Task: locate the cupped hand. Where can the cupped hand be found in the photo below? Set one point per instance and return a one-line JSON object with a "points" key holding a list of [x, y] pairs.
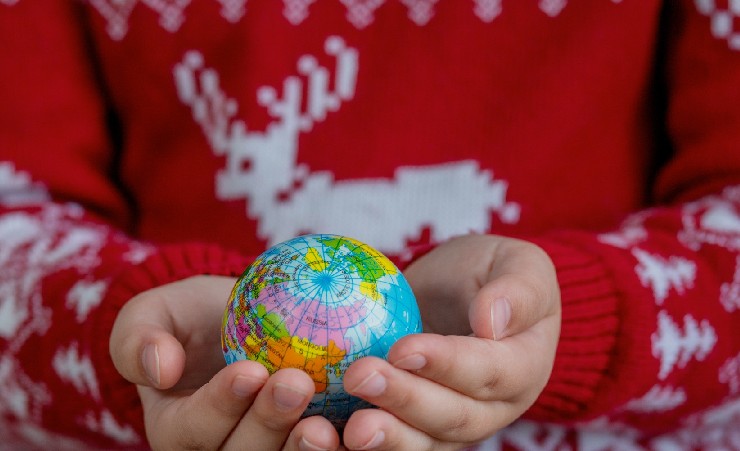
{"points": [[491, 310], [167, 341]]}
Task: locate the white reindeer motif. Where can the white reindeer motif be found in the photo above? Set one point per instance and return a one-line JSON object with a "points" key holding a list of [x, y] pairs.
{"points": [[449, 199]]}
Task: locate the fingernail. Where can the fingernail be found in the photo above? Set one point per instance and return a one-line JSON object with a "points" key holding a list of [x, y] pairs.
{"points": [[305, 445], [287, 397], [243, 386], [500, 316], [373, 385], [374, 442], [411, 362], [150, 361]]}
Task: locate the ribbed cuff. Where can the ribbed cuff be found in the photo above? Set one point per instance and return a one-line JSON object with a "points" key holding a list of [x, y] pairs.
{"points": [[602, 334], [167, 264]]}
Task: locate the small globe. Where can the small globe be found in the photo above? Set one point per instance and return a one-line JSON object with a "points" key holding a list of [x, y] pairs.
{"points": [[318, 303]]}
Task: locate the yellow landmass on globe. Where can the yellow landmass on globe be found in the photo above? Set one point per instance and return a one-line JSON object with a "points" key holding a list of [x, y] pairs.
{"points": [[370, 289], [314, 260]]}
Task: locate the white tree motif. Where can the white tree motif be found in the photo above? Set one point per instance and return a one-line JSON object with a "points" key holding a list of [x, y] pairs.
{"points": [[660, 274], [729, 373], [76, 369], [714, 429], [630, 233], [105, 424], [84, 296], [29, 436], [657, 399], [20, 397], [526, 435], [603, 434], [674, 346], [17, 188], [729, 292]]}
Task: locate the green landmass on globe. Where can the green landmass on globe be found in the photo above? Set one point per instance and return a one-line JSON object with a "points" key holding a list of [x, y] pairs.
{"points": [[318, 303]]}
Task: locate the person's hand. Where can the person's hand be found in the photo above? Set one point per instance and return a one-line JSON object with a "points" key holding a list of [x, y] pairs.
{"points": [[493, 307], [167, 340]]}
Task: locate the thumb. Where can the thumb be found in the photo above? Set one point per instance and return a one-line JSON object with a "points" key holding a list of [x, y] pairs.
{"points": [[143, 347], [521, 290]]}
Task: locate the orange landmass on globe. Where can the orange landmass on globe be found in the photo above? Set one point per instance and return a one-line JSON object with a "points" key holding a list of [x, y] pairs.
{"points": [[296, 352]]}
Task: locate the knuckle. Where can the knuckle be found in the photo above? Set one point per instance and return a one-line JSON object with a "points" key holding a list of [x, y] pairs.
{"points": [[186, 439], [467, 427], [273, 421], [490, 383], [224, 408], [442, 368], [191, 444], [398, 399], [459, 423]]}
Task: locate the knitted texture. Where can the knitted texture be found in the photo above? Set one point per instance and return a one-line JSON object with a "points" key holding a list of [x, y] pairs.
{"points": [[143, 142]]}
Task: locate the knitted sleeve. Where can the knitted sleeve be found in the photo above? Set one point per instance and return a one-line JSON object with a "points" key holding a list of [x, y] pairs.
{"points": [[66, 263], [651, 309]]}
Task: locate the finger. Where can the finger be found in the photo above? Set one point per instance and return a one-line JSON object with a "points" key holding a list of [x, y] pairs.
{"points": [[479, 368], [205, 418], [416, 401], [313, 434], [145, 342], [456, 362], [143, 348], [274, 413], [379, 430], [522, 289]]}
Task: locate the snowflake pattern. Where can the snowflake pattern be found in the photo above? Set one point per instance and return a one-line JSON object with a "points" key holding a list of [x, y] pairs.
{"points": [[296, 11], [16, 187], [360, 13], [724, 20], [34, 244], [713, 220]]}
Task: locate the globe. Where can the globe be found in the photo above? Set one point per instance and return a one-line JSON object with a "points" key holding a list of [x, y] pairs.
{"points": [[318, 303]]}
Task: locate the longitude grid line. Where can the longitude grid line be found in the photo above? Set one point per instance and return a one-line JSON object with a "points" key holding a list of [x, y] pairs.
{"points": [[330, 269], [309, 301], [297, 251]]}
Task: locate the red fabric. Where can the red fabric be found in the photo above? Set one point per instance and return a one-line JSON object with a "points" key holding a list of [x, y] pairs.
{"points": [[143, 142]]}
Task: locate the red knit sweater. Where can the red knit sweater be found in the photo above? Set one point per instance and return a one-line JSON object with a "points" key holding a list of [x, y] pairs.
{"points": [[143, 141]]}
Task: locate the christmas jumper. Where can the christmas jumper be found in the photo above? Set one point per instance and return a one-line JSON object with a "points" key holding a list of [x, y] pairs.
{"points": [[145, 141]]}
